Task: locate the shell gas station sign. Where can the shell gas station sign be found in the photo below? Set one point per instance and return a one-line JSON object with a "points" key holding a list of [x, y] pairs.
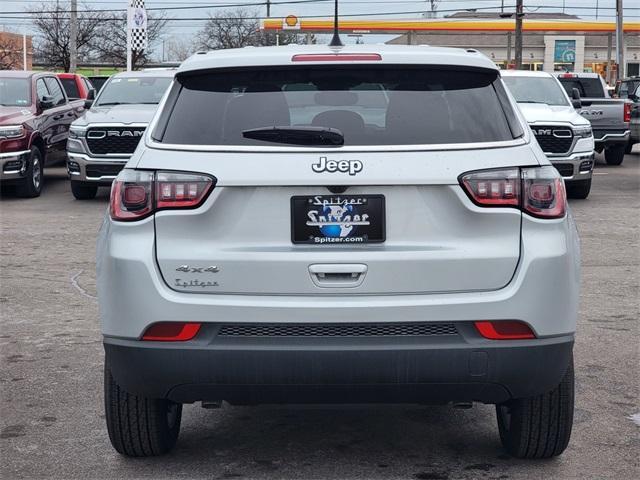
{"points": [[291, 22]]}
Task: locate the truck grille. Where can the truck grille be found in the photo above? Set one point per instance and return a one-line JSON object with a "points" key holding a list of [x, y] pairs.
{"points": [[554, 139], [104, 170], [338, 330], [104, 140], [564, 169]]}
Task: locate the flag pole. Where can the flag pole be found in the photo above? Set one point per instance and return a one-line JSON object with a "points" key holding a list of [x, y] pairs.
{"points": [[129, 36]]}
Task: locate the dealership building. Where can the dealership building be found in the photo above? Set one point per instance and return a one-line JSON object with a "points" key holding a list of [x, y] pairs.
{"points": [[551, 42]]}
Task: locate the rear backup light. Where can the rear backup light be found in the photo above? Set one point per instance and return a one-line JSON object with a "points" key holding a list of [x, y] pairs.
{"points": [[136, 194], [181, 190], [336, 57], [504, 330], [499, 188], [627, 112], [171, 332], [538, 191]]}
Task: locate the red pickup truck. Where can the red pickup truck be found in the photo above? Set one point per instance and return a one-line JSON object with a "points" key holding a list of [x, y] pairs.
{"points": [[75, 86], [35, 115]]}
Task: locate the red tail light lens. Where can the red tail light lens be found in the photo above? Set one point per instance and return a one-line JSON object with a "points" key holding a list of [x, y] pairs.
{"points": [[505, 330], [544, 194], [171, 332], [132, 195], [627, 112], [538, 191], [136, 194]]}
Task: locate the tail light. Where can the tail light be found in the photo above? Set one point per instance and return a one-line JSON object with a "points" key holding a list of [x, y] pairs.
{"points": [[504, 330], [171, 332], [136, 194], [538, 191], [627, 112]]}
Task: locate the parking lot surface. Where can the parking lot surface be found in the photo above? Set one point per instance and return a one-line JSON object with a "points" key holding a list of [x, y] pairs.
{"points": [[52, 417]]}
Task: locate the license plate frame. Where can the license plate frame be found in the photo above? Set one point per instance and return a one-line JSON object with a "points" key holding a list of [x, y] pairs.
{"points": [[344, 219]]}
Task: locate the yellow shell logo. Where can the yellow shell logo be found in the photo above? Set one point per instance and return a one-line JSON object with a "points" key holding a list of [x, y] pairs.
{"points": [[291, 21]]}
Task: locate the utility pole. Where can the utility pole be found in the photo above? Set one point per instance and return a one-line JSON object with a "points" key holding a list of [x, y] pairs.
{"points": [[73, 37], [620, 72], [24, 51], [518, 42]]}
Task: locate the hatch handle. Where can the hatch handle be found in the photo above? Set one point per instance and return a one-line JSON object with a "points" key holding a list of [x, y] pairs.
{"points": [[337, 275]]}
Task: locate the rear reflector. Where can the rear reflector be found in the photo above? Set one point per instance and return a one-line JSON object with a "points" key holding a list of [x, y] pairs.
{"points": [[171, 332], [337, 57], [504, 330]]}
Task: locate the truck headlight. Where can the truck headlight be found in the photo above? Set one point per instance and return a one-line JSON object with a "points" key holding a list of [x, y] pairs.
{"points": [[11, 131], [583, 132], [75, 132]]}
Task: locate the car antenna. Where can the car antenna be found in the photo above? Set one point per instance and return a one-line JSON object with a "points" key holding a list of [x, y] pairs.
{"points": [[335, 40]]}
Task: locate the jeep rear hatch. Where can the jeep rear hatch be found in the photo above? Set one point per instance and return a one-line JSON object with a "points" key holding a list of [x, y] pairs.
{"points": [[383, 214]]}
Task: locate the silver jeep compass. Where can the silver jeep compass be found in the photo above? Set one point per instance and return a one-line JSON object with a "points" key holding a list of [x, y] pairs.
{"points": [[355, 224]]}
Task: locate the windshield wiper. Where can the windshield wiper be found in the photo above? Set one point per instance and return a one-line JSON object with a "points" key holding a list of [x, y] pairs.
{"points": [[531, 101], [297, 135]]}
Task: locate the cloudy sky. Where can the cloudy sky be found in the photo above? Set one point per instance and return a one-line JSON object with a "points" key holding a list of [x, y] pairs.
{"points": [[186, 21]]}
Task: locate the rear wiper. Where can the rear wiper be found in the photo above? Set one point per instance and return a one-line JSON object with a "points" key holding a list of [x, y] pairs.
{"points": [[297, 135]]}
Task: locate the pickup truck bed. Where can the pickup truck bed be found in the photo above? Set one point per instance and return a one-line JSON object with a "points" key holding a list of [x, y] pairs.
{"points": [[609, 117]]}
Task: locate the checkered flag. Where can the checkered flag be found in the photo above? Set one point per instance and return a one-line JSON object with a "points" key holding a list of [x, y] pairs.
{"points": [[137, 23]]}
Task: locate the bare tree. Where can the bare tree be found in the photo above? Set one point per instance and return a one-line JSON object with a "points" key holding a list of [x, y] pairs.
{"points": [[179, 49], [236, 29], [10, 52], [53, 27], [111, 43]]}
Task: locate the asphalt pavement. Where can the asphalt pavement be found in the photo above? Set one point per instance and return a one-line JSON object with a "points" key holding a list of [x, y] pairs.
{"points": [[52, 416]]}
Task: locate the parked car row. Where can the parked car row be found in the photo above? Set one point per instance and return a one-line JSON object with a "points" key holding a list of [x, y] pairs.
{"points": [[37, 110], [569, 124]]}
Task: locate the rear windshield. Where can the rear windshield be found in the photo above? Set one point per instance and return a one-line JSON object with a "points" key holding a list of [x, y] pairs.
{"points": [[70, 87], [536, 90], [120, 91], [393, 105], [588, 87], [15, 92]]}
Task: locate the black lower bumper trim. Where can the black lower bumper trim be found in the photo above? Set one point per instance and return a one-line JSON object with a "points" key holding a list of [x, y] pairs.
{"points": [[363, 370]]}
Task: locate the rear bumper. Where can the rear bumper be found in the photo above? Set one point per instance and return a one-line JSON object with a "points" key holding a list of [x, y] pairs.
{"points": [[394, 369], [606, 138]]}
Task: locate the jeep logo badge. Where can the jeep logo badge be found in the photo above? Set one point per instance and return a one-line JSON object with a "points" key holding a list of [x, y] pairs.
{"points": [[344, 166]]}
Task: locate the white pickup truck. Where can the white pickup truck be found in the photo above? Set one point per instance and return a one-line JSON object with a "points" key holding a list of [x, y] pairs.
{"points": [[565, 136], [609, 117]]}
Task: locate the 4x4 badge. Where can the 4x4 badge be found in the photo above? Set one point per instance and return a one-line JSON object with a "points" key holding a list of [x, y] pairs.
{"points": [[344, 166], [187, 269]]}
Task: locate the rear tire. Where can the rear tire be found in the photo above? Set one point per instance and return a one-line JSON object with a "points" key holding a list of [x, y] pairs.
{"points": [[139, 426], [629, 147], [540, 426], [579, 189], [31, 185], [82, 191], [614, 155]]}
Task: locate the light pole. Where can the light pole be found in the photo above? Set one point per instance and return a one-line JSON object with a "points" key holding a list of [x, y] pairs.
{"points": [[619, 40], [73, 36], [518, 42]]}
